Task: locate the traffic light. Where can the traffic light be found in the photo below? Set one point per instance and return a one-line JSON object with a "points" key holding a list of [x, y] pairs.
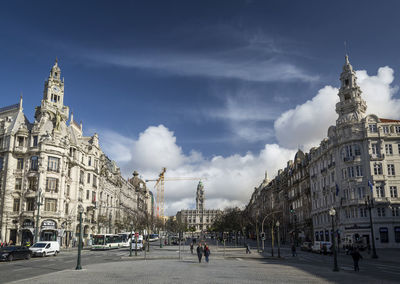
{"points": [[263, 236]]}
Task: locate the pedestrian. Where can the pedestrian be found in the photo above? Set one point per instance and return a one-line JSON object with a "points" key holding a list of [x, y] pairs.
{"points": [[294, 250], [206, 252], [355, 254], [199, 252], [191, 247], [10, 243], [248, 248]]}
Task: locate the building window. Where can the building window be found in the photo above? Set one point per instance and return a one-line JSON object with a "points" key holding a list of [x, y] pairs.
{"points": [[389, 149], [20, 163], [94, 181], [81, 177], [381, 211], [32, 183], [361, 192], [52, 185], [1, 163], [30, 204], [66, 208], [50, 205], [363, 212], [350, 171], [393, 192], [391, 171], [35, 141], [87, 194], [378, 169], [18, 183], [34, 163], [372, 128], [380, 191], [375, 149], [20, 141], [16, 205], [397, 234], [88, 178], [89, 161], [93, 197], [53, 164], [1, 142], [385, 129], [359, 172], [395, 211], [384, 235]]}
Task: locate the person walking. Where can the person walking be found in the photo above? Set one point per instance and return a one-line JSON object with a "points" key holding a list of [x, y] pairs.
{"points": [[294, 250], [191, 247], [199, 252], [206, 252], [355, 254], [248, 248]]}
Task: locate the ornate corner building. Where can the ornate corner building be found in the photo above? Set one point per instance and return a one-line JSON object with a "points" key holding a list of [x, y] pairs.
{"points": [[48, 169], [200, 218], [355, 170]]}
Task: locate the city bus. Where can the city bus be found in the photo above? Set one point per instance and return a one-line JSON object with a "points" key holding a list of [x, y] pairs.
{"points": [[106, 241], [153, 237]]}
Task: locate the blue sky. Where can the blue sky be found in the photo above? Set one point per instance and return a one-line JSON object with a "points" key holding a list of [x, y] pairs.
{"points": [[212, 76]]}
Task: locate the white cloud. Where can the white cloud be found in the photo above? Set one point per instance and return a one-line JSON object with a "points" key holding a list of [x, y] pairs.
{"points": [[307, 124], [228, 181], [262, 70]]}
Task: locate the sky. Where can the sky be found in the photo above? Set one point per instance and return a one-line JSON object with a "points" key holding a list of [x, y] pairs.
{"points": [[218, 90]]}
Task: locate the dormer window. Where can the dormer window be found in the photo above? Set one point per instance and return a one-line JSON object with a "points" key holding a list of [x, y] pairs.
{"points": [[55, 74]]}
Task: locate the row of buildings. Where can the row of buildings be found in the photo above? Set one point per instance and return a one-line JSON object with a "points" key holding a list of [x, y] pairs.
{"points": [[49, 169], [355, 169]]}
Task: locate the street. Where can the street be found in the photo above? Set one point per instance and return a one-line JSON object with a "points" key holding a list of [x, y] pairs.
{"points": [[163, 266]]}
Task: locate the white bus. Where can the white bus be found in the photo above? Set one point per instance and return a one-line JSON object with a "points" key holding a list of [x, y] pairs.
{"points": [[106, 241]]}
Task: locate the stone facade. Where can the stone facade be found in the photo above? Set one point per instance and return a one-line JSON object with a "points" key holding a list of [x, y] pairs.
{"points": [[53, 157], [200, 218], [360, 159]]}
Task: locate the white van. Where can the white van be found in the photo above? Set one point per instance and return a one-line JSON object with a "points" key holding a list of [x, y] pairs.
{"points": [[139, 243], [45, 248]]}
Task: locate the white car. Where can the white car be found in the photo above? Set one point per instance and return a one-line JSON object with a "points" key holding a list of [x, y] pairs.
{"points": [[45, 248]]}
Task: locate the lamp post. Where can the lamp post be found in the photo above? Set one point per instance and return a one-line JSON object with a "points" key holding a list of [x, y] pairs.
{"points": [[258, 239], [130, 240], [109, 223], [78, 263], [332, 212], [369, 203], [279, 239], [38, 203]]}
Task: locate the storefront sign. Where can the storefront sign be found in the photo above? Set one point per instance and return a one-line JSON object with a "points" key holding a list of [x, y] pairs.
{"points": [[48, 225], [27, 223]]}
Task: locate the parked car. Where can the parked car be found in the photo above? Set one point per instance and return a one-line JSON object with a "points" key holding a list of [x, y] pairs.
{"points": [[15, 252], [306, 246], [45, 248], [322, 247]]}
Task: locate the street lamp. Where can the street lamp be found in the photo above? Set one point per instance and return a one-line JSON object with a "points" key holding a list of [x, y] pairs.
{"points": [[109, 222], [369, 203], [78, 264], [332, 212], [279, 239], [130, 240], [38, 203]]}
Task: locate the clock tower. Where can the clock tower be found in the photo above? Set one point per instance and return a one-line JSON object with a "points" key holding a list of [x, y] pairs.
{"points": [[54, 87], [351, 108], [52, 106]]}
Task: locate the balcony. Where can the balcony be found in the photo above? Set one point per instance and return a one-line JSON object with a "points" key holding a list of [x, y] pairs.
{"points": [[377, 157], [348, 159]]}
